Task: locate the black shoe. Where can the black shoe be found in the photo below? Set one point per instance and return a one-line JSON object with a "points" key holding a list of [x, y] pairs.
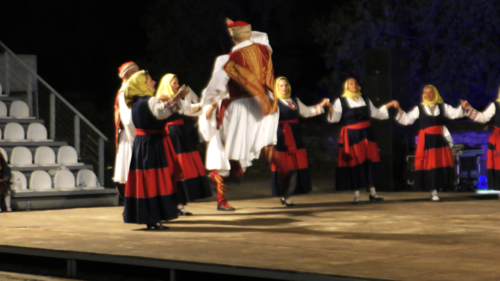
{"points": [[157, 226], [184, 212], [283, 202], [376, 198], [224, 208]]}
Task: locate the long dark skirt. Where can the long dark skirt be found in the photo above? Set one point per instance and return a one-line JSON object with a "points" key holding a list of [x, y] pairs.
{"points": [[149, 192]]}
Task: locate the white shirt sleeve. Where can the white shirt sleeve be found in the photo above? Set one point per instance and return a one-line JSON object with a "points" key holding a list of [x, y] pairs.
{"points": [[125, 112], [187, 107], [485, 116], [408, 118], [217, 87], [380, 113], [309, 111], [158, 108], [453, 113], [261, 38], [447, 136], [337, 112]]}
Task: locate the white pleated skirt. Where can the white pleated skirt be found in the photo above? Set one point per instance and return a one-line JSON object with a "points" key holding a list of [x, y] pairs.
{"points": [[246, 130], [123, 158]]}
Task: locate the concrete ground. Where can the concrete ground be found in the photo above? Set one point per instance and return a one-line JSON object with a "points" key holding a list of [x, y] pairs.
{"points": [[407, 237]]}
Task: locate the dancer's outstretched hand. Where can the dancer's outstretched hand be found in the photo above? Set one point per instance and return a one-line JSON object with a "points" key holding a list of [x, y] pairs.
{"points": [[465, 104]]}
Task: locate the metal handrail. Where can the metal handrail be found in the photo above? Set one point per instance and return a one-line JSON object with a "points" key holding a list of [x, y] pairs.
{"points": [[55, 92]]}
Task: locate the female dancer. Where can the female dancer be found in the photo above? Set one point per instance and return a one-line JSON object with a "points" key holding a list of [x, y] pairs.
{"points": [[290, 148], [434, 166], [358, 157], [184, 160], [149, 192], [493, 155]]}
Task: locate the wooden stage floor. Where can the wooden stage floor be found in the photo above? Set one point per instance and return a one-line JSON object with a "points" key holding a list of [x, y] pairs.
{"points": [[323, 237]]}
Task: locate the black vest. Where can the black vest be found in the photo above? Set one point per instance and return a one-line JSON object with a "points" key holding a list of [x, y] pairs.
{"points": [[355, 115], [427, 120]]}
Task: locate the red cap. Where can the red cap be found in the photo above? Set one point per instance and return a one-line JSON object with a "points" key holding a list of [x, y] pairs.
{"points": [[120, 69], [237, 24]]}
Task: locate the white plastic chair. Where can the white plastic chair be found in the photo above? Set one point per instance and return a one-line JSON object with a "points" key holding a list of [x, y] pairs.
{"points": [[37, 132], [21, 157], [41, 181], [19, 109], [86, 179], [14, 132], [67, 156], [64, 180], [19, 182], [5, 154], [3, 110], [45, 156]]}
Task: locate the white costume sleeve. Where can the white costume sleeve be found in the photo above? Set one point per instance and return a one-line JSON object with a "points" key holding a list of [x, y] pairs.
{"points": [[261, 38], [207, 126], [125, 115], [408, 118], [158, 108], [447, 136], [309, 111], [217, 87], [380, 113], [453, 113], [485, 116], [337, 112]]}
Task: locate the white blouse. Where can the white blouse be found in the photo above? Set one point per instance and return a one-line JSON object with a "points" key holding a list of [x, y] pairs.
{"points": [[378, 113], [485, 116], [304, 110], [410, 117]]}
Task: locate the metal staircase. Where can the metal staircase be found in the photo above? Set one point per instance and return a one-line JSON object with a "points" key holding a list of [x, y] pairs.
{"points": [[65, 125]]}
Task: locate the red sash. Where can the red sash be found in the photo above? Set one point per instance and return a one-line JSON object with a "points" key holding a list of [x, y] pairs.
{"points": [[434, 130], [344, 137], [288, 134], [176, 122], [141, 132]]}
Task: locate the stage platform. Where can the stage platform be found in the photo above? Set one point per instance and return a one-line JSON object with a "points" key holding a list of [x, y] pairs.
{"points": [[323, 237]]}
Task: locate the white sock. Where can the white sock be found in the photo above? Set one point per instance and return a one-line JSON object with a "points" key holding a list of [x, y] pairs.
{"points": [[180, 206], [434, 193], [373, 192], [356, 193], [7, 202]]}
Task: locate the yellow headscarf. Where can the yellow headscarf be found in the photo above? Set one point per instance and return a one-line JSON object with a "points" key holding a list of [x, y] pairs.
{"points": [[136, 87], [165, 89], [498, 100], [278, 93], [437, 98], [349, 94]]}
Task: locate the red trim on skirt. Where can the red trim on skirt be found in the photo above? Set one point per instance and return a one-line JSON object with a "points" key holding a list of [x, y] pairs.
{"points": [[435, 158], [359, 153], [344, 136], [295, 161], [288, 135], [185, 165], [149, 183]]}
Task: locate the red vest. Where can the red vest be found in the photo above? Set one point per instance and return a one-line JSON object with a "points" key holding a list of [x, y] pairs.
{"points": [[251, 71]]}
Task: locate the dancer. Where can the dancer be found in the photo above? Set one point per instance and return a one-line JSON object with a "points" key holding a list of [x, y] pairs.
{"points": [[184, 160], [250, 115], [290, 148], [5, 183], [124, 129], [434, 166], [493, 154], [358, 157], [149, 193]]}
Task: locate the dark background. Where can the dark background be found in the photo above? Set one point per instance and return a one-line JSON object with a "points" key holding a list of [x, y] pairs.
{"points": [[454, 45]]}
